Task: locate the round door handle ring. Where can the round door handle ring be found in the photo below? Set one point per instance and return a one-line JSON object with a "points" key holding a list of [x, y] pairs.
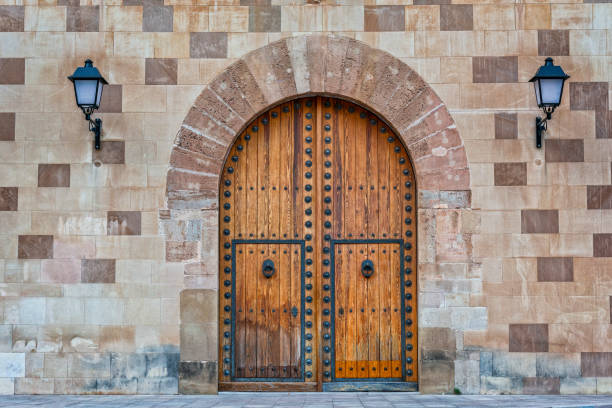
{"points": [[367, 268], [267, 268]]}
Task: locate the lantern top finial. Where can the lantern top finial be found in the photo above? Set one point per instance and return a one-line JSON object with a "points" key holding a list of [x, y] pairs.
{"points": [[88, 71], [549, 71]]}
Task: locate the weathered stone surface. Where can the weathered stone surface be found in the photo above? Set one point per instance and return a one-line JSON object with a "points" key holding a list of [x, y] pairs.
{"points": [[123, 222], [12, 365], [514, 364], [98, 270], [199, 341], [528, 337], [437, 376], [198, 306], [35, 246], [9, 198], [558, 365], [33, 386], [92, 365], [596, 364], [467, 376], [438, 343], [537, 385], [179, 251], [198, 377], [578, 386], [501, 385]]}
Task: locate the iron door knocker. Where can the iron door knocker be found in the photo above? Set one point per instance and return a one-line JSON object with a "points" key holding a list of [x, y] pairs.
{"points": [[367, 268], [267, 268]]}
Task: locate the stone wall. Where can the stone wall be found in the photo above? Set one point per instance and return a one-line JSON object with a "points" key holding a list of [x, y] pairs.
{"points": [[108, 288]]}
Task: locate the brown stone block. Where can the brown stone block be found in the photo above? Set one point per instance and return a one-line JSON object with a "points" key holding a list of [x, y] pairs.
{"points": [[53, 175], [430, 2], [540, 221], [596, 364], [506, 126], [603, 124], [263, 19], [602, 245], [438, 343], [243, 79], [98, 271], [456, 17], [7, 126], [495, 69], [157, 18], [528, 338], [111, 152], [553, 42], [161, 71], [541, 385], [191, 141], [436, 377], [510, 174], [555, 269], [231, 94], [352, 63], [9, 198], [199, 306], [210, 104], [35, 246], [179, 251], [83, 18], [112, 96], [11, 18], [589, 96], [599, 197], [184, 159], [208, 45], [336, 51], [564, 150], [123, 222], [384, 18], [269, 62], [316, 48], [12, 71]]}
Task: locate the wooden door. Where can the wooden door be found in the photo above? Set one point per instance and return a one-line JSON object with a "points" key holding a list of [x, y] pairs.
{"points": [[318, 251]]}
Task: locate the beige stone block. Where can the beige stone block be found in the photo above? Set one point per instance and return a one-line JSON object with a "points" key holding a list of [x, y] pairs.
{"points": [[117, 19], [467, 43], [84, 365], [18, 175], [491, 245], [400, 44], [142, 311], [571, 16], [134, 44], [241, 43], [112, 247], [21, 98], [533, 16], [59, 98], [45, 18], [570, 338], [531, 244], [126, 71], [495, 337], [170, 311], [298, 18], [140, 152], [432, 43], [581, 68], [95, 46], [117, 339], [15, 222], [181, 97], [501, 222], [422, 18], [69, 152], [481, 174], [17, 45], [580, 221], [12, 152], [190, 19], [228, 19], [427, 68], [150, 223], [68, 224], [142, 98], [601, 16], [343, 18], [147, 248], [45, 127], [55, 365], [40, 386], [570, 125], [65, 310], [44, 71], [209, 68], [188, 72], [602, 338], [571, 245], [449, 94], [128, 176], [475, 125], [494, 17], [527, 42], [502, 43], [456, 69], [497, 96], [171, 45], [588, 42], [149, 199]]}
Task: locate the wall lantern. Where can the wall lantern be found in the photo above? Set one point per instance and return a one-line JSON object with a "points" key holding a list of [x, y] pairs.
{"points": [[88, 84], [548, 84]]}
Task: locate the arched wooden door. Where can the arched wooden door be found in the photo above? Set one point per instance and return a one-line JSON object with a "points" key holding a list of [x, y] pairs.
{"points": [[318, 253]]}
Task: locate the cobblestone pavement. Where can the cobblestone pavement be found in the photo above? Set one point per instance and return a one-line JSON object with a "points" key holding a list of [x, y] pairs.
{"points": [[310, 400]]}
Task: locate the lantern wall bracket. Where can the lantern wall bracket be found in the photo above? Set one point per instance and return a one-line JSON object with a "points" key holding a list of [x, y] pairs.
{"points": [[95, 126], [541, 126]]}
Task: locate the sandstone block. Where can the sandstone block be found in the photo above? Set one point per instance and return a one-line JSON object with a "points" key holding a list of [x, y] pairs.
{"points": [[437, 377], [578, 385], [501, 385], [12, 365], [92, 365], [514, 364], [558, 365], [198, 377]]}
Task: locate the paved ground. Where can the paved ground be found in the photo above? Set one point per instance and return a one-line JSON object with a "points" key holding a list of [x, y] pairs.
{"points": [[309, 400]]}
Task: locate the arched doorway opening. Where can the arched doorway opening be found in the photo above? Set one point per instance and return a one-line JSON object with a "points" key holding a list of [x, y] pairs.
{"points": [[317, 231]]}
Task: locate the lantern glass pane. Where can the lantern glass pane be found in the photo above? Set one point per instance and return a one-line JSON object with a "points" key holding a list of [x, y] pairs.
{"points": [[99, 95], [551, 91], [536, 87], [86, 91]]}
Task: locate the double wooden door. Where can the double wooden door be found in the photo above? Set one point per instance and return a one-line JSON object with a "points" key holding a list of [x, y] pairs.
{"points": [[317, 253]]}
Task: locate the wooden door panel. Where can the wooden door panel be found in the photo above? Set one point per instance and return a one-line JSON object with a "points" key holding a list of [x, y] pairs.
{"points": [[329, 183]]}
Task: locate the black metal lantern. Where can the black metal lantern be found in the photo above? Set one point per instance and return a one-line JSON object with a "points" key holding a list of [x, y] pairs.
{"points": [[88, 85], [548, 85]]}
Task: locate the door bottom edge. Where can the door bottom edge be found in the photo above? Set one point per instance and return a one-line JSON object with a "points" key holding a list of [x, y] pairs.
{"points": [[370, 386]]}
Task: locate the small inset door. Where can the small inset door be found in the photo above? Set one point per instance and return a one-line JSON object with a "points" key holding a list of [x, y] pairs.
{"points": [[268, 310], [371, 321]]}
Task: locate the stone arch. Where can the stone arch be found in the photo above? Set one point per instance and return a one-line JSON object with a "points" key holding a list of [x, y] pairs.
{"points": [[286, 69]]}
